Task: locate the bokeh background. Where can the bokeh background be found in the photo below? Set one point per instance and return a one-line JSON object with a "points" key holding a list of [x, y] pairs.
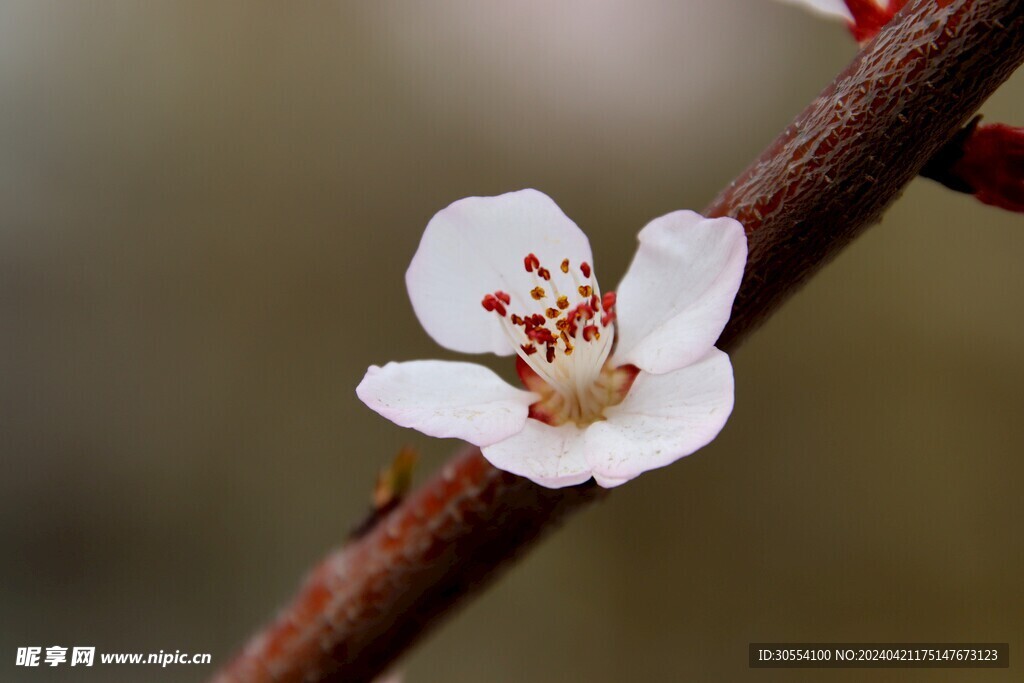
{"points": [[206, 211]]}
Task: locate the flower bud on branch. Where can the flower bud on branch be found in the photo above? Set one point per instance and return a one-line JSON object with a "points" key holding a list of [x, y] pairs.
{"points": [[984, 160]]}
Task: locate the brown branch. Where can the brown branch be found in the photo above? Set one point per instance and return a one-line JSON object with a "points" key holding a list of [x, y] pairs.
{"points": [[821, 183]]}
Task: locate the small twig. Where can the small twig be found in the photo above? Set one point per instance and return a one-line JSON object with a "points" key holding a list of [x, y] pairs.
{"points": [[819, 185], [393, 483]]}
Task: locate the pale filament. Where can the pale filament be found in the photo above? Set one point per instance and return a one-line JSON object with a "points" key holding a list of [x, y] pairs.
{"points": [[566, 338]]}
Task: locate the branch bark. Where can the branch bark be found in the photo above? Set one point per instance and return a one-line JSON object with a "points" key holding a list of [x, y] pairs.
{"points": [[820, 184]]}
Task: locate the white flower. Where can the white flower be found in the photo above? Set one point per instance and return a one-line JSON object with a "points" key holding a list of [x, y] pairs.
{"points": [[865, 18], [617, 385], [833, 8]]}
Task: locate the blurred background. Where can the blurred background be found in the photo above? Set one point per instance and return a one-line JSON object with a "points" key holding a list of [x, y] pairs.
{"points": [[206, 212]]}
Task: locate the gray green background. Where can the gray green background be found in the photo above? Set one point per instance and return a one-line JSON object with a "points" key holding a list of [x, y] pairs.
{"points": [[206, 210]]}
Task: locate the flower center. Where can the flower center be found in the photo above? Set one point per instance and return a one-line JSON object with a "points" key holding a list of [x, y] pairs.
{"points": [[563, 330]]}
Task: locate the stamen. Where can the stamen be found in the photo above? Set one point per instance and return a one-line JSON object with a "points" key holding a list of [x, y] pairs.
{"points": [[494, 303], [568, 330], [491, 303], [542, 335]]}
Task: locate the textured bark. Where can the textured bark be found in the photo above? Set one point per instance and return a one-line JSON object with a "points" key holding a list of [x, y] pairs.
{"points": [[821, 183], [834, 169], [366, 602]]}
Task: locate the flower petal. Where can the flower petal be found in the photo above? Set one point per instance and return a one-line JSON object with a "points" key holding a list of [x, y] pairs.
{"points": [[447, 400], [549, 456], [476, 246], [833, 8], [662, 418], [609, 482], [677, 295]]}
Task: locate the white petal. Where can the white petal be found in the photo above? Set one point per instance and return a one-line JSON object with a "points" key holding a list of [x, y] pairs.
{"points": [[447, 400], [609, 482], [677, 295], [662, 418], [549, 456], [476, 246], [832, 8]]}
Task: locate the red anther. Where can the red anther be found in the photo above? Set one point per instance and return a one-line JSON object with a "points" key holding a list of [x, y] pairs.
{"points": [[594, 303], [565, 266], [541, 335], [500, 308], [585, 269], [489, 302], [584, 312], [544, 273], [551, 354], [528, 349], [608, 300], [537, 319], [516, 320], [531, 262], [608, 318], [590, 333], [505, 298]]}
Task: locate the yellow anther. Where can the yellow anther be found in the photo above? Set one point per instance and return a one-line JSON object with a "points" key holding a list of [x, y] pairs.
{"points": [[565, 266], [585, 290], [537, 293], [563, 302]]}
